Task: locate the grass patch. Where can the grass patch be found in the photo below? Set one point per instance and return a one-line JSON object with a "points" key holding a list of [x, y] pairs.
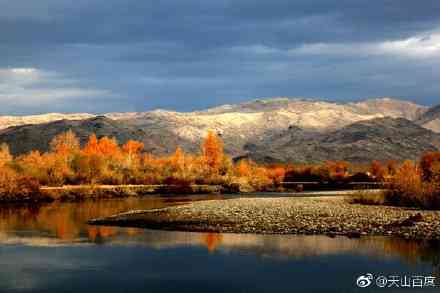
{"points": [[368, 197]]}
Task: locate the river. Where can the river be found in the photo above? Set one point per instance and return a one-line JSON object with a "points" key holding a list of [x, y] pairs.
{"points": [[51, 249]]}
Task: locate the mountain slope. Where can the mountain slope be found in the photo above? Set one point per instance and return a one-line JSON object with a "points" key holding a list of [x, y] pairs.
{"points": [[251, 122], [431, 119], [268, 130], [305, 113], [376, 139], [8, 121], [25, 138], [389, 107]]}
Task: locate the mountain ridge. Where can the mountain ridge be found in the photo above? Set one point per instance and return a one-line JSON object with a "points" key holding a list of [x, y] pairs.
{"points": [[368, 106], [431, 119], [252, 128], [377, 139]]}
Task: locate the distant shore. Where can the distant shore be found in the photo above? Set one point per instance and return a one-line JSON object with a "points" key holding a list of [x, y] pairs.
{"points": [[72, 193], [332, 216]]}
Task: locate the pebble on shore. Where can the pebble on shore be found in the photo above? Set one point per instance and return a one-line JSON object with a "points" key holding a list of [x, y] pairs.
{"points": [[330, 216]]}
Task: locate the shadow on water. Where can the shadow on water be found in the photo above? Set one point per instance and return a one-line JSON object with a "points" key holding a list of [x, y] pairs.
{"points": [[61, 226]]}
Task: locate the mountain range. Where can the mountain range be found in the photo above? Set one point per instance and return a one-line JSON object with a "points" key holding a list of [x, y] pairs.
{"points": [[265, 130]]}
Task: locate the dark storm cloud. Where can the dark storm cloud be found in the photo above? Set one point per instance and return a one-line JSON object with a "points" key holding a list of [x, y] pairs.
{"points": [[118, 55], [214, 23]]}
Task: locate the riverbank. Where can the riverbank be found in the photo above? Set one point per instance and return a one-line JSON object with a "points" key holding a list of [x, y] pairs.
{"points": [[73, 193], [332, 216]]}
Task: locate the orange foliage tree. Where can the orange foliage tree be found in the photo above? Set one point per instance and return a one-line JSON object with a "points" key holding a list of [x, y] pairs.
{"points": [[132, 149], [430, 165], [392, 166], [5, 155], [65, 144], [276, 174], [108, 147], [89, 165], [212, 151], [243, 168], [104, 161], [377, 170], [337, 169], [92, 146]]}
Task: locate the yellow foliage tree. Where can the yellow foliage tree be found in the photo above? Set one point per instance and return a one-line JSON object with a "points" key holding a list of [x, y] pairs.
{"points": [[243, 168], [5, 155], [178, 159], [132, 148], [92, 146], [108, 147], [212, 151], [65, 143]]}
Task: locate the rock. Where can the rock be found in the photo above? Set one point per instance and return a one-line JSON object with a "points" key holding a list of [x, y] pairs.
{"points": [[409, 222], [353, 234]]}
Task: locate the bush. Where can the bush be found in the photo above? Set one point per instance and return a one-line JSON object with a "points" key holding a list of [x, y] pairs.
{"points": [[425, 196], [368, 197], [409, 187], [14, 187]]}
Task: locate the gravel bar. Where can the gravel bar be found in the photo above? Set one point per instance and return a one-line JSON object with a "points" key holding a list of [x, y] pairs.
{"points": [[330, 216]]}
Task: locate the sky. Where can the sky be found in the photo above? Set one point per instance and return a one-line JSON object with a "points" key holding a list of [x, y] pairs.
{"points": [[125, 55]]}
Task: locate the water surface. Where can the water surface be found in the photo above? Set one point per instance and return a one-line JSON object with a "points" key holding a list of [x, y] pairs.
{"points": [[51, 249]]}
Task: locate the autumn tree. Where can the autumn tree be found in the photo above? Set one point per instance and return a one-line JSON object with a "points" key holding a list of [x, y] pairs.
{"points": [[178, 160], [132, 148], [193, 166], [108, 147], [100, 161], [150, 169], [5, 155], [276, 174], [377, 170], [105, 146], [212, 151], [65, 143], [337, 169], [392, 167], [92, 146], [89, 165], [49, 168], [33, 164], [430, 165], [8, 182], [243, 168]]}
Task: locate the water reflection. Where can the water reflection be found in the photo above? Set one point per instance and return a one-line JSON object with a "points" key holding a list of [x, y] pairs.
{"points": [[66, 222], [64, 225]]}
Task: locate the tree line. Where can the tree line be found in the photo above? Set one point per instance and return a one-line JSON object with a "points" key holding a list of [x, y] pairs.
{"points": [[103, 161]]}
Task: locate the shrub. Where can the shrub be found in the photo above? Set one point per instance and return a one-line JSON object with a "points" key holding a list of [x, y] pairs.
{"points": [[430, 165], [15, 187], [409, 187], [368, 197], [377, 170]]}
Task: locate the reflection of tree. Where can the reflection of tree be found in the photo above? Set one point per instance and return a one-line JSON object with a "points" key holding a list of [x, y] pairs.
{"points": [[212, 240], [67, 221], [92, 233], [415, 251]]}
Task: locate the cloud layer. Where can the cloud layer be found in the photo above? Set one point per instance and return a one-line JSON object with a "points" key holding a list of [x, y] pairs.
{"points": [[112, 55]]}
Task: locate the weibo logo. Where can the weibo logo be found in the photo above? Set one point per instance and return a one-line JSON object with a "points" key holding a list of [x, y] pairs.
{"points": [[364, 281]]}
